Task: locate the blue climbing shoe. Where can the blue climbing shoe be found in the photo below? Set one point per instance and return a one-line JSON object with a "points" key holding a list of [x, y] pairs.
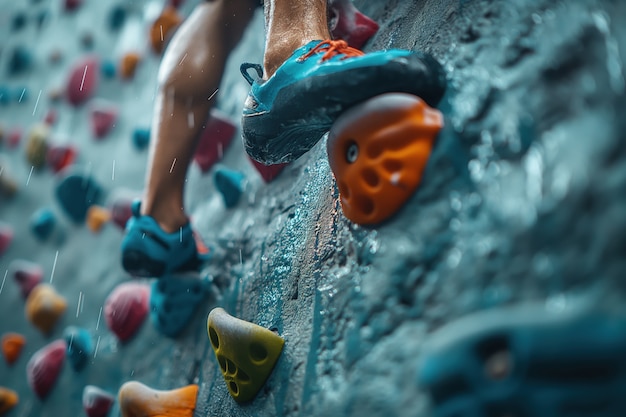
{"points": [[148, 251], [286, 115]]}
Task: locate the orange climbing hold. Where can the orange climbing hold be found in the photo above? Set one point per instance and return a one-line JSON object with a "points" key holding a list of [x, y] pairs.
{"points": [[44, 307], [378, 151], [139, 400], [163, 27], [8, 399], [128, 65], [97, 216], [12, 345]]}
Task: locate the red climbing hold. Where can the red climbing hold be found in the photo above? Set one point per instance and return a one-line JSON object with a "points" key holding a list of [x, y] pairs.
{"points": [[83, 80], [103, 118], [267, 172], [215, 138], [348, 23], [51, 117], [14, 137], [26, 274], [60, 157], [45, 366], [96, 401], [125, 309], [71, 5], [6, 237], [121, 211], [12, 346]]}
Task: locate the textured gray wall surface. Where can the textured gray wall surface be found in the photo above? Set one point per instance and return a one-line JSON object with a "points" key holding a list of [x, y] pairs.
{"points": [[523, 200]]}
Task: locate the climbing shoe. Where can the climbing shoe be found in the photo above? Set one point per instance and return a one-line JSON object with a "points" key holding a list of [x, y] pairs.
{"points": [[148, 251], [285, 115]]}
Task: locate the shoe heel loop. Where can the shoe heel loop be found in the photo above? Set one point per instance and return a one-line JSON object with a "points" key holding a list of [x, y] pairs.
{"points": [[244, 71]]}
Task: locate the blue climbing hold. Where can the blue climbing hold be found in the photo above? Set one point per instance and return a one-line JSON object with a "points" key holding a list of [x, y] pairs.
{"points": [[528, 361], [141, 137], [20, 60], [18, 21], [42, 223], [76, 193], [230, 184], [117, 17], [79, 346], [41, 18], [5, 95], [108, 68], [173, 301]]}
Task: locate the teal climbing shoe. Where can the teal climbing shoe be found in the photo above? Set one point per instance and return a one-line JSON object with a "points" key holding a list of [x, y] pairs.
{"points": [[286, 115], [149, 251]]}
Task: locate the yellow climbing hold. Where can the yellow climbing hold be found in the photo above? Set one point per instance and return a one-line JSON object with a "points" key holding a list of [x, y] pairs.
{"points": [[37, 145], [44, 307], [97, 216], [139, 400], [245, 352], [8, 399]]}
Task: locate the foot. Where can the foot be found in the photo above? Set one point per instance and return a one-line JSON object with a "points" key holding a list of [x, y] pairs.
{"points": [[149, 251], [286, 115]]}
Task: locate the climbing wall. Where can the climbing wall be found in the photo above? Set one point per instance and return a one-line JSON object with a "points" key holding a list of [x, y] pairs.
{"points": [[520, 216]]}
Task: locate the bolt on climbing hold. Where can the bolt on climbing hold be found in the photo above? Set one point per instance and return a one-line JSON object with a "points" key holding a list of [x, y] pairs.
{"points": [[245, 352]]}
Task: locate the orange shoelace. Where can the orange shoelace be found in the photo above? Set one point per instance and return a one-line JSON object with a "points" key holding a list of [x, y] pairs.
{"points": [[332, 48]]}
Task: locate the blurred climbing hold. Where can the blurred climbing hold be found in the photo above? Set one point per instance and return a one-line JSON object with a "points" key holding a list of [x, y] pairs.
{"points": [[37, 145], [121, 210], [51, 117], [60, 157], [267, 172], [117, 17], [12, 346], [8, 399], [163, 27], [20, 60], [108, 69], [42, 223], [27, 275], [230, 184], [55, 56], [76, 193], [5, 95], [96, 401], [18, 21], [44, 307], [528, 360], [214, 140], [245, 352], [8, 186], [83, 80], [6, 237], [44, 368], [128, 65], [139, 400], [79, 346], [141, 137], [346, 22], [72, 5], [14, 137], [173, 301], [378, 151], [176, 3], [103, 116], [97, 217], [125, 309], [87, 40]]}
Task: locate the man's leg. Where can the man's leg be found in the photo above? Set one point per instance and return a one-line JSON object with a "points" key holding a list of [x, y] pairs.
{"points": [[189, 75]]}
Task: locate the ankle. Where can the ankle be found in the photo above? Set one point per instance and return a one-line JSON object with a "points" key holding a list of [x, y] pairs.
{"points": [[278, 53], [169, 219]]}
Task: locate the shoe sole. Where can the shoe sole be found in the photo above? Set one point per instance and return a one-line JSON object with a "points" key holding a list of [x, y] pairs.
{"points": [[141, 265], [295, 125]]}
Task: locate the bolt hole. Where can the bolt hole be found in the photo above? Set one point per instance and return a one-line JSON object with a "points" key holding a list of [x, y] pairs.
{"points": [[258, 353], [233, 387], [370, 177], [215, 340], [352, 152], [231, 368], [222, 361]]}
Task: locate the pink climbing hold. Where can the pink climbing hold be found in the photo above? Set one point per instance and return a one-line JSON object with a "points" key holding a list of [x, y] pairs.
{"points": [[71, 5], [215, 138], [14, 137], [44, 367], [6, 237], [103, 118], [83, 80], [267, 172], [125, 309], [51, 117], [96, 401], [348, 23], [121, 211], [60, 157], [27, 275]]}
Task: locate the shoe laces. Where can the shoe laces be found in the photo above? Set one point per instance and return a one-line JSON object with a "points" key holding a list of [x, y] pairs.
{"points": [[332, 48]]}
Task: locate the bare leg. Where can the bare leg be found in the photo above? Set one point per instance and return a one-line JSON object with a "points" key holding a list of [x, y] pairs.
{"points": [[189, 75], [289, 25]]}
